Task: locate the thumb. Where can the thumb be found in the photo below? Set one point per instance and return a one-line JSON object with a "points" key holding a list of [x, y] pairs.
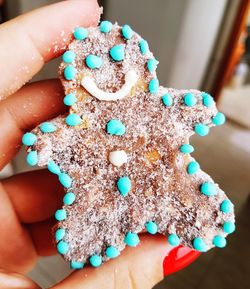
{"points": [[137, 268]]}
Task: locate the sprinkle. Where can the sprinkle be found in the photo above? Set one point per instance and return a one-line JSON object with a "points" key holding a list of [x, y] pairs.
{"points": [[80, 33], [132, 239], [127, 32], [60, 215], [173, 240], [153, 85], [47, 127], [93, 61], [190, 99], [53, 167], [73, 119], [208, 189], [186, 148], [201, 129], [69, 72], [32, 158], [199, 245], [68, 56], [116, 127], [106, 26], [76, 265], [62, 247], [151, 227], [226, 206], [95, 260], [65, 180], [124, 186], [60, 233], [118, 158], [219, 241], [193, 167], [219, 119], [143, 44], [117, 52], [69, 99], [152, 65], [29, 139], [112, 252], [69, 198], [229, 227], [167, 99], [207, 99]]}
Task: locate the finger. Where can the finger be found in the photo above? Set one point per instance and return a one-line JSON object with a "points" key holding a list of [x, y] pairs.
{"points": [[36, 37], [34, 103], [139, 267]]}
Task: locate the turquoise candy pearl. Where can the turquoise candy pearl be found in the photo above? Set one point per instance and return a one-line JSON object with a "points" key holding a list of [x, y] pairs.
{"points": [[219, 119], [65, 180], [124, 186], [93, 61], [226, 206], [112, 252], [151, 227], [208, 189], [127, 32], [69, 198], [219, 241], [201, 129], [106, 26], [186, 148], [95, 260], [32, 158], [173, 240], [68, 56], [69, 72], [53, 168], [193, 167], [62, 247], [143, 44], [29, 139], [116, 127], [76, 265], [152, 64], [60, 233], [190, 99], [167, 99], [153, 86], [47, 127], [60, 215], [73, 119], [80, 33], [69, 99], [117, 52], [207, 99], [199, 245], [132, 239], [229, 227]]}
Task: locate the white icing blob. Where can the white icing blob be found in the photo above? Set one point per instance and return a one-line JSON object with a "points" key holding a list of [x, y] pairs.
{"points": [[118, 158], [131, 78]]}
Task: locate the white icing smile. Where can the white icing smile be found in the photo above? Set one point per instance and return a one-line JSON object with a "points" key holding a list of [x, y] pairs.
{"points": [[131, 78]]}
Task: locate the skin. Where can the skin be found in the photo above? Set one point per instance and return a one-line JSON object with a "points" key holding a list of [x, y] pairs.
{"points": [[28, 200]]}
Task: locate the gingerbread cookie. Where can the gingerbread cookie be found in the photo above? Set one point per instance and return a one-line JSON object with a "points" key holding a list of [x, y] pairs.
{"points": [[123, 153]]}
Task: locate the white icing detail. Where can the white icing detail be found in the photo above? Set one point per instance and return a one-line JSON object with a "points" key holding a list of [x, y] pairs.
{"points": [[118, 158], [131, 78]]}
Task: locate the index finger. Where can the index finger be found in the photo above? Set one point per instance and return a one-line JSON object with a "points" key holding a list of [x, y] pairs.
{"points": [[30, 40]]}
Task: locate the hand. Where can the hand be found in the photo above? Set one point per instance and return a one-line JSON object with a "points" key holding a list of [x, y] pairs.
{"points": [[28, 200]]}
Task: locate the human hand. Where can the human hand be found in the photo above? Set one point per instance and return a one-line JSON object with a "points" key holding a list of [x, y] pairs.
{"points": [[28, 200]]}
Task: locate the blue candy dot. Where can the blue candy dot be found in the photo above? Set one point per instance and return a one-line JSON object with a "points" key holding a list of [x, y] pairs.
{"points": [[76, 265], [193, 167], [190, 99], [153, 85], [186, 148], [124, 186], [68, 56], [60, 215], [132, 239], [226, 206], [208, 189], [207, 99], [151, 227], [62, 247], [116, 127], [167, 99], [219, 241], [29, 139], [80, 33], [69, 198], [219, 119], [173, 240], [69, 72], [112, 252], [117, 52], [53, 167], [73, 119], [199, 245], [95, 260], [60, 233], [69, 99], [143, 44], [93, 61], [47, 127], [32, 158], [201, 129], [127, 32], [106, 26], [229, 227], [152, 64], [65, 180]]}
